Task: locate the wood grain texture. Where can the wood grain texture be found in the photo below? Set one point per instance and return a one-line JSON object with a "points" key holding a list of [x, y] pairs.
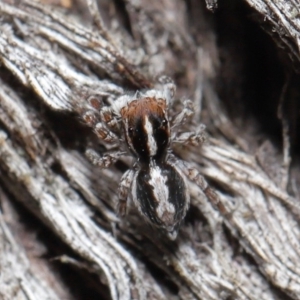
{"points": [[51, 62]]}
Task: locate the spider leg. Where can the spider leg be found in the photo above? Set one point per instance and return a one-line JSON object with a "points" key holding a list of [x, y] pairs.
{"points": [[95, 101], [102, 120], [90, 113], [106, 134], [91, 118], [107, 117], [194, 176], [123, 192], [184, 115], [191, 138], [168, 87], [103, 161], [108, 127]]}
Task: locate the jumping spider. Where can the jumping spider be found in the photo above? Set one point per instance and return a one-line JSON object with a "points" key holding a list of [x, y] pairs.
{"points": [[157, 182]]}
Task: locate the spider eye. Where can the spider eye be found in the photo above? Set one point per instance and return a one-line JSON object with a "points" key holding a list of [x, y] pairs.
{"points": [[164, 122]]}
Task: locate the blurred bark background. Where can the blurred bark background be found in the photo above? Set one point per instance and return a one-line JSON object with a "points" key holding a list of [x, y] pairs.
{"points": [[60, 237]]}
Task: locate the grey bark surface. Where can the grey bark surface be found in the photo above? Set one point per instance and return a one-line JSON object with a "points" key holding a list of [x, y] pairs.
{"points": [[51, 61]]}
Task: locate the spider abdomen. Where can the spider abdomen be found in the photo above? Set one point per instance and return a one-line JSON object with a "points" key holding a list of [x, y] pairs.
{"points": [[161, 194]]}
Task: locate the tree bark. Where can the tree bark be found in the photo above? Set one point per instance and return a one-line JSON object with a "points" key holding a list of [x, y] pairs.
{"points": [[60, 236]]}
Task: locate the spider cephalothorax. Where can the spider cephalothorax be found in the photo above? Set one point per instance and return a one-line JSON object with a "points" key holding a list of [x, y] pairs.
{"points": [[157, 181], [146, 128]]}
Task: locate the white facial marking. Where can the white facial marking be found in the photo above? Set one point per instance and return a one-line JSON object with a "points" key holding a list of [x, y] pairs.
{"points": [[161, 192], [150, 138]]}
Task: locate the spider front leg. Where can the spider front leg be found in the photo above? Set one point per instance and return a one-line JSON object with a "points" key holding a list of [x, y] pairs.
{"points": [[102, 120], [184, 115], [191, 138], [123, 192], [105, 134], [168, 87], [109, 124], [104, 161], [194, 176], [107, 117]]}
